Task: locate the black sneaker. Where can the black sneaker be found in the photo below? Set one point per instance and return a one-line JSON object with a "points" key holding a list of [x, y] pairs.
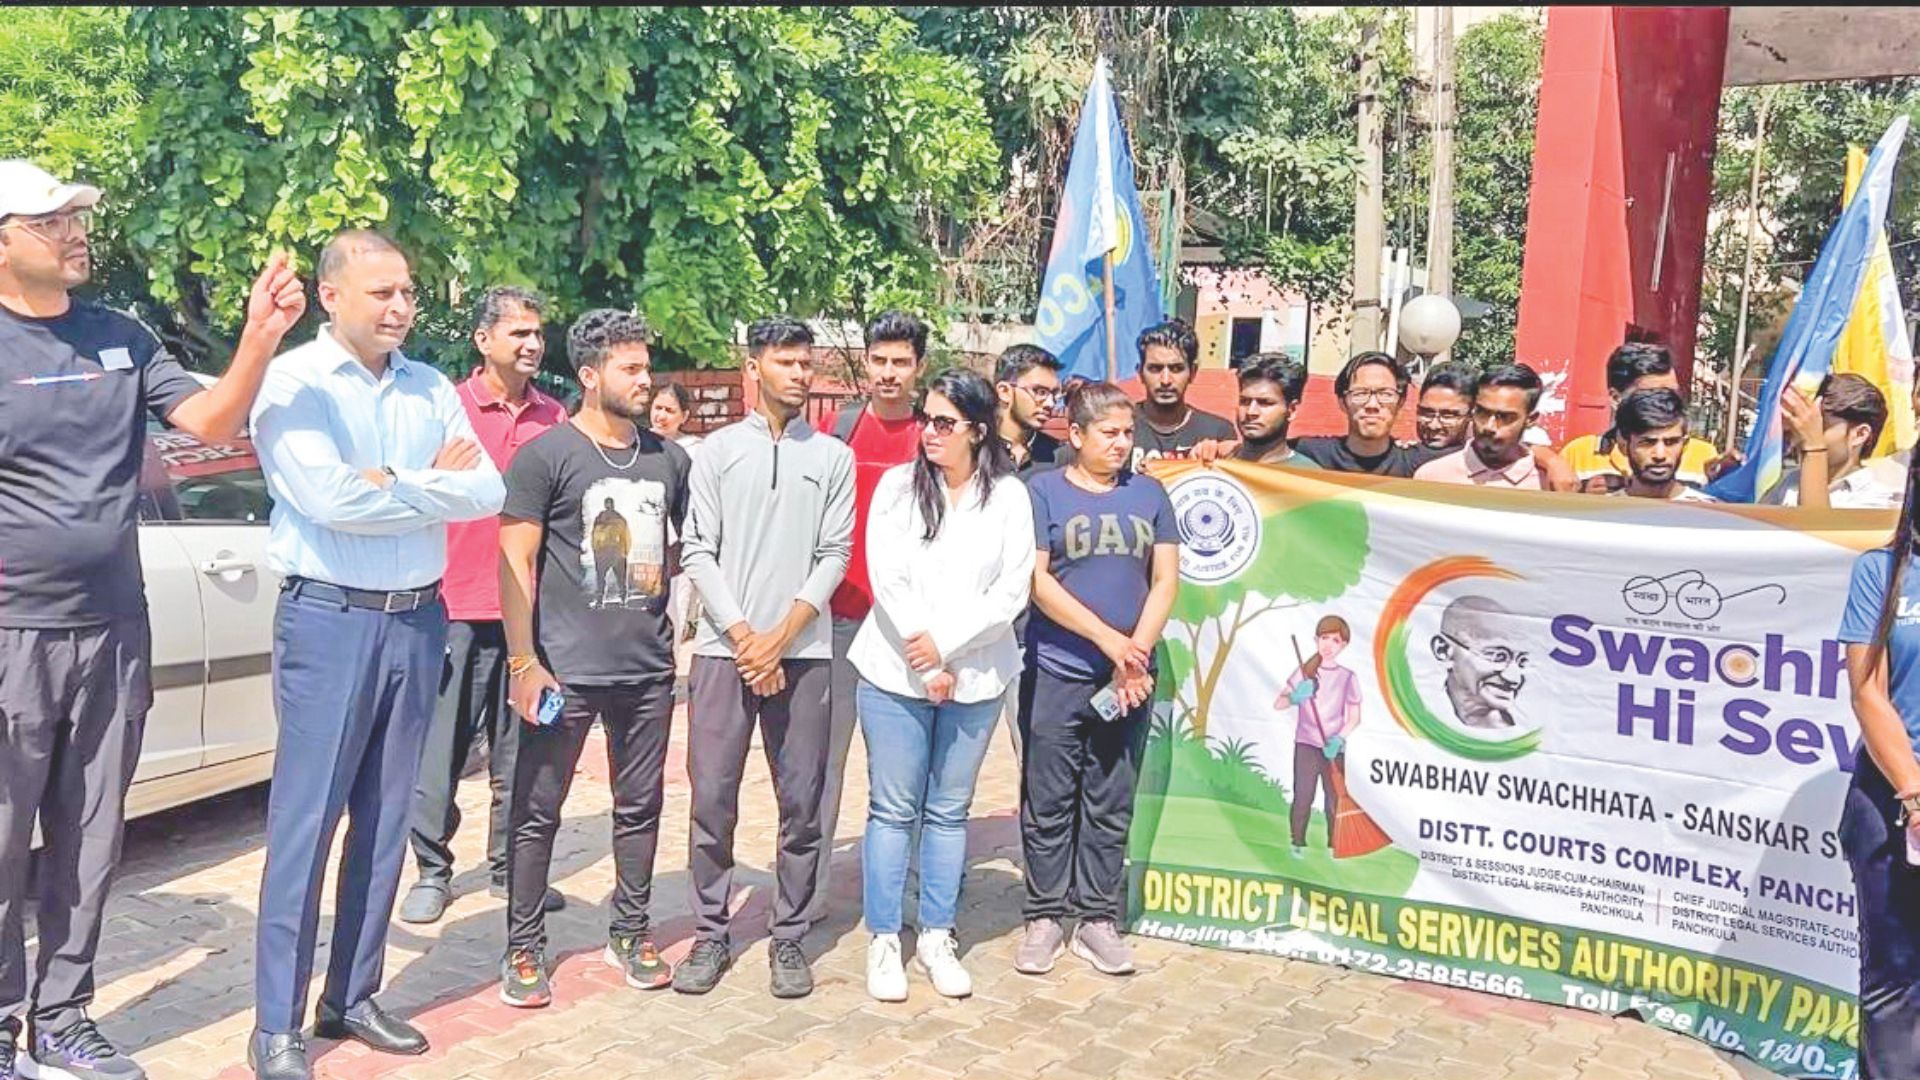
{"points": [[639, 958], [523, 979], [9, 1034], [77, 1052], [791, 977], [701, 970]]}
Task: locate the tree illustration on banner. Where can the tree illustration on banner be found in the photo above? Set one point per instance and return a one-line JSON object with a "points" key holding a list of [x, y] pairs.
{"points": [[1309, 553]]}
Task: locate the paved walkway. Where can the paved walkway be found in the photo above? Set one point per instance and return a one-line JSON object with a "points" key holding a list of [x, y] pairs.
{"points": [[176, 962]]}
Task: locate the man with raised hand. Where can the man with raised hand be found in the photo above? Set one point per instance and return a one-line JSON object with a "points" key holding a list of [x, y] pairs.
{"points": [[369, 456], [77, 383]]}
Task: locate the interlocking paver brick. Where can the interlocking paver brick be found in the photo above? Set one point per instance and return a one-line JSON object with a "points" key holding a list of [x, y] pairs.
{"points": [[176, 979]]}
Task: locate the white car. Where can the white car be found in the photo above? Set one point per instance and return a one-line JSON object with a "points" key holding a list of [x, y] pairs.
{"points": [[211, 597]]}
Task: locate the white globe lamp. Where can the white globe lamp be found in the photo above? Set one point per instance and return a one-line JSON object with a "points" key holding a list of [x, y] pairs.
{"points": [[1429, 325]]}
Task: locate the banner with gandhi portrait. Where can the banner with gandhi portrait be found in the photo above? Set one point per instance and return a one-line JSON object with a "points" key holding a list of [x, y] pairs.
{"points": [[1582, 750]]}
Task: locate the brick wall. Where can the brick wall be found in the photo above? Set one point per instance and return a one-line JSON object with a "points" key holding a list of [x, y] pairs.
{"points": [[717, 400]]}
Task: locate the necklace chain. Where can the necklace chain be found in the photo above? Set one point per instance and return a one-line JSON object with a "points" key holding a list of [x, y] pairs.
{"points": [[602, 451]]}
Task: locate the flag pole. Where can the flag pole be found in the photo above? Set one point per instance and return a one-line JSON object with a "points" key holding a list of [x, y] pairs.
{"points": [[1113, 354]]}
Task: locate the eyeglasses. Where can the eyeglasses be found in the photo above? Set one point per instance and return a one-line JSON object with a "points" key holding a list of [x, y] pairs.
{"points": [[1451, 416], [1384, 397], [1044, 395], [1498, 656], [944, 426], [67, 223]]}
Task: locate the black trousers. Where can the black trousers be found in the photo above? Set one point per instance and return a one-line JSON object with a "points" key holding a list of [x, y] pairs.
{"points": [[472, 705], [73, 706], [1076, 797], [1888, 890], [637, 718]]}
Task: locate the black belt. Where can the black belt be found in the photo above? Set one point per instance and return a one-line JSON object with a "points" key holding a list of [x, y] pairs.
{"points": [[395, 602]]}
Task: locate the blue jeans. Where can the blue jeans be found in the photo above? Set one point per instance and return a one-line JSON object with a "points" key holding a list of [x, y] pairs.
{"points": [[922, 761]]}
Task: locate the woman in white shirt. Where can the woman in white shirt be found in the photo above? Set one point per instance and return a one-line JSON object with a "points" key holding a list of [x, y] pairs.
{"points": [[950, 552]]}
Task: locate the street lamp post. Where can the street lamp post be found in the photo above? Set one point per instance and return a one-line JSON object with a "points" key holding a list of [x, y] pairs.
{"points": [[1429, 325]]}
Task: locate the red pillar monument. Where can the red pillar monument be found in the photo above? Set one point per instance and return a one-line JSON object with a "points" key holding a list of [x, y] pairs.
{"points": [[1617, 212]]}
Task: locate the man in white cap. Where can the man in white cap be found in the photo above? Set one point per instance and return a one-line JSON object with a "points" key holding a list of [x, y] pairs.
{"points": [[77, 381]]}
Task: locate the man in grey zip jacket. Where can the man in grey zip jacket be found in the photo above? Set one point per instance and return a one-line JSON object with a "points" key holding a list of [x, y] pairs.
{"points": [[769, 531]]}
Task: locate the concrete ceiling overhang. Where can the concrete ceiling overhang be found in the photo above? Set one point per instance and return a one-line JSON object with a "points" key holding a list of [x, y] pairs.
{"points": [[1814, 44]]}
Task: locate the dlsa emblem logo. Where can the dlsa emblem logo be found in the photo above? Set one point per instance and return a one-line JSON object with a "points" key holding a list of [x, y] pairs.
{"points": [[1219, 526]]}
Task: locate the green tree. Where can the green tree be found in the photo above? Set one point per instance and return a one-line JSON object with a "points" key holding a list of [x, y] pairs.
{"points": [[1309, 552], [1802, 176], [69, 95], [702, 165], [1497, 94]]}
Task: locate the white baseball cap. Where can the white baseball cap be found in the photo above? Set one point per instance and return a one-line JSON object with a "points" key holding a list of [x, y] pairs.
{"points": [[28, 189]]}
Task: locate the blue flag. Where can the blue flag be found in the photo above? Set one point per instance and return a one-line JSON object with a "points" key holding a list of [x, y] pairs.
{"points": [[1099, 213], [1819, 320]]}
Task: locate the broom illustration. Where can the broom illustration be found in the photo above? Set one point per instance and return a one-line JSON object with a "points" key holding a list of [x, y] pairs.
{"points": [[1354, 833]]}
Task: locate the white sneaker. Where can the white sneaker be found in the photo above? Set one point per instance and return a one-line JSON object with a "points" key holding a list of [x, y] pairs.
{"points": [[886, 976], [939, 957]]}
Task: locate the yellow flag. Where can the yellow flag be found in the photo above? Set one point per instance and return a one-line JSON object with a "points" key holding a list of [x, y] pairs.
{"points": [[1875, 345]]}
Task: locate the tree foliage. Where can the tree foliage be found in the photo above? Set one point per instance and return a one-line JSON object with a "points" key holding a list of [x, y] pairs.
{"points": [[701, 165], [1497, 102], [69, 95], [1802, 176]]}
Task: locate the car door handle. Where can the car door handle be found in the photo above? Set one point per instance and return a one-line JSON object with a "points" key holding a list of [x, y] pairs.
{"points": [[226, 563]]}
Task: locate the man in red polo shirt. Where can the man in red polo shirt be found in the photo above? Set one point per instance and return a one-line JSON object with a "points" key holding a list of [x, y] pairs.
{"points": [[507, 411], [883, 431]]}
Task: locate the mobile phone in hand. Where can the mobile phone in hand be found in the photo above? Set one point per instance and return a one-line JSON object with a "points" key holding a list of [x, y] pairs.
{"points": [[551, 702], [1107, 703]]}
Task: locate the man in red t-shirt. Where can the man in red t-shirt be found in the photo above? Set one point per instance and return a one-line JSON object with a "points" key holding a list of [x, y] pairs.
{"points": [[507, 411], [883, 431]]}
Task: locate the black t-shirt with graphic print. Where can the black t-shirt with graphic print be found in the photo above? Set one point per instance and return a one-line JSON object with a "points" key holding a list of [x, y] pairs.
{"points": [[600, 601], [75, 394], [1151, 444]]}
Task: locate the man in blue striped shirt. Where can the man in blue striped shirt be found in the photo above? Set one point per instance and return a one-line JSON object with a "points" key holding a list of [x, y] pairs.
{"points": [[369, 455]]}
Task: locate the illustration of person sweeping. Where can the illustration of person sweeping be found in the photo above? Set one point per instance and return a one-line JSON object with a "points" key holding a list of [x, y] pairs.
{"points": [[1327, 697]]}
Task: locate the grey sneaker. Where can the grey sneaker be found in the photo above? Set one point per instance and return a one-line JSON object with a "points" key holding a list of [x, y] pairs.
{"points": [[790, 977], [1039, 948], [77, 1052], [701, 970], [1098, 943], [639, 959], [425, 902], [523, 979]]}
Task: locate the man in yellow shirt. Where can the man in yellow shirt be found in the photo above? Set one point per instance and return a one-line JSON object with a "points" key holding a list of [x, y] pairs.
{"points": [[1600, 462]]}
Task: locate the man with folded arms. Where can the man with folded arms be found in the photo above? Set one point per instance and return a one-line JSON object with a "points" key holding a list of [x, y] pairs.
{"points": [[369, 456]]}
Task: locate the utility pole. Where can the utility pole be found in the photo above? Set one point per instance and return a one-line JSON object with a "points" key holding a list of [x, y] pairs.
{"points": [[1746, 274], [1367, 204], [1440, 195]]}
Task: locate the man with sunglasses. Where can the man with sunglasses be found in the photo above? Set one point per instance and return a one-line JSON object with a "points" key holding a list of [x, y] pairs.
{"points": [[882, 431], [1486, 660], [77, 383]]}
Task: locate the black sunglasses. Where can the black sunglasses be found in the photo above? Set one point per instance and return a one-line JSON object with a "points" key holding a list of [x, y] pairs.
{"points": [[944, 426]]}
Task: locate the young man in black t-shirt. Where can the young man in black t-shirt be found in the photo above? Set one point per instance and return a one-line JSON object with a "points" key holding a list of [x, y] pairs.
{"points": [[590, 500], [1371, 389], [1169, 427], [77, 384]]}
